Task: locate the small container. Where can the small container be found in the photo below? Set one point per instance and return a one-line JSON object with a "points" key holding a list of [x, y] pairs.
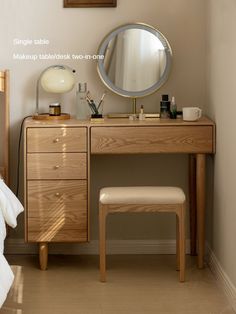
{"points": [[96, 116], [82, 107], [55, 109], [141, 114]]}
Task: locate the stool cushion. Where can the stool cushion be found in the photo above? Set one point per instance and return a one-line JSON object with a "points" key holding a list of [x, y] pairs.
{"points": [[142, 195]]}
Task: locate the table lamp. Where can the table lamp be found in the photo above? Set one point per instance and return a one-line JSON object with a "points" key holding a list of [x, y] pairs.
{"points": [[54, 79]]}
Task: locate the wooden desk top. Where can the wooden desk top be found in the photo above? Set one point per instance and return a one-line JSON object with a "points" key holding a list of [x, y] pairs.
{"points": [[204, 121], [123, 136]]}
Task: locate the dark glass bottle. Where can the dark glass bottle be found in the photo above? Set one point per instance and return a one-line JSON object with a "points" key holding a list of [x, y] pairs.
{"points": [[165, 107]]}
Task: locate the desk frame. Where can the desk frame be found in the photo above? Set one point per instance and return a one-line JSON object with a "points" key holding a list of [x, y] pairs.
{"points": [[152, 136]]}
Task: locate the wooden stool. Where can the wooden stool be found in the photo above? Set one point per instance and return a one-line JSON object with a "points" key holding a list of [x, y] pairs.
{"points": [[143, 200]]}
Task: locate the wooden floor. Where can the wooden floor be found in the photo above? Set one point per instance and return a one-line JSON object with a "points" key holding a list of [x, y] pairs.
{"points": [[145, 284]]}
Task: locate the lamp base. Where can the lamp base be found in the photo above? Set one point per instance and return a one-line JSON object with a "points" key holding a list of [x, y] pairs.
{"points": [[46, 116]]}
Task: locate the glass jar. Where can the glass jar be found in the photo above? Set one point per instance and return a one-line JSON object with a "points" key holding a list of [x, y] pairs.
{"points": [[82, 108], [55, 109]]}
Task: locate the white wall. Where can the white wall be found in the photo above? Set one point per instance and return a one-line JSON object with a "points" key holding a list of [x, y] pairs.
{"points": [[221, 106], [80, 31]]}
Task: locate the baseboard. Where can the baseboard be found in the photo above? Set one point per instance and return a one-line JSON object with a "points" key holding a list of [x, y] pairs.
{"points": [[224, 281], [18, 246]]}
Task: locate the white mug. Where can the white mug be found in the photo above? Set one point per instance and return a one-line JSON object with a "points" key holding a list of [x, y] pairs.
{"points": [[191, 113]]}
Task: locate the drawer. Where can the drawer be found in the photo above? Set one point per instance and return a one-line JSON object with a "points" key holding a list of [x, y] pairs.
{"points": [[164, 139], [56, 166], [56, 140], [57, 211]]}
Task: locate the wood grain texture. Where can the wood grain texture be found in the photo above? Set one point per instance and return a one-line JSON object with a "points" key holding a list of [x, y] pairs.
{"points": [[143, 208], [43, 255], [178, 209], [201, 206], [115, 136], [89, 3], [2, 172], [181, 243], [25, 185], [57, 211], [192, 204], [56, 140], [56, 166], [5, 121], [2, 81], [138, 140], [204, 121]]}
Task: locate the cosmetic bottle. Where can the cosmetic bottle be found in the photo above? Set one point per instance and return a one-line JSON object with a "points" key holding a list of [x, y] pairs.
{"points": [[165, 107], [173, 109], [82, 108], [141, 115], [55, 109]]}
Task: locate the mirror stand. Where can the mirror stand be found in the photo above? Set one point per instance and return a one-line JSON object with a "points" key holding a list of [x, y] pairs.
{"points": [[134, 105], [134, 112]]}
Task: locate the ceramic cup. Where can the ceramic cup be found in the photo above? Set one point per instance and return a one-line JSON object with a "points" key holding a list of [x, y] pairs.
{"points": [[191, 113]]}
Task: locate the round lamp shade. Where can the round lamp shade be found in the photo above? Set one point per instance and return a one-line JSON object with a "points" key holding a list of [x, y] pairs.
{"points": [[58, 79]]}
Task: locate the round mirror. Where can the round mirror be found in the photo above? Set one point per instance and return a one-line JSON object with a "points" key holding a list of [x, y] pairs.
{"points": [[136, 60]]}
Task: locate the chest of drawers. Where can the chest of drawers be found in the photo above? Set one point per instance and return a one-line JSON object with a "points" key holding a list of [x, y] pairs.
{"points": [[56, 186]]}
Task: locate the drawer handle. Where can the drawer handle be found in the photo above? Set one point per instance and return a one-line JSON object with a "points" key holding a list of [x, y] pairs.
{"points": [[56, 140], [56, 167], [57, 194]]}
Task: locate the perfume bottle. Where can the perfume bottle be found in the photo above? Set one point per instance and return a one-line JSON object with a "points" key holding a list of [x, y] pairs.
{"points": [[141, 114], [165, 107], [82, 108], [173, 108]]}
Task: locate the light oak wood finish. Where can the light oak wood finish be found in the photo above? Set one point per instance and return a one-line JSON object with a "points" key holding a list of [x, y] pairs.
{"points": [[60, 213], [73, 123], [56, 166], [5, 122], [178, 209], [2, 82], [56, 185], [148, 136], [192, 204], [2, 172], [89, 3], [201, 206], [55, 140], [133, 140], [43, 255]]}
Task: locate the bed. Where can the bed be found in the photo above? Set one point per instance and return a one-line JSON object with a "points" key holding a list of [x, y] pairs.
{"points": [[10, 206]]}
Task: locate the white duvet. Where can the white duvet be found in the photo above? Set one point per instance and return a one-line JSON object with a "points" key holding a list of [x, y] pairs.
{"points": [[10, 208]]}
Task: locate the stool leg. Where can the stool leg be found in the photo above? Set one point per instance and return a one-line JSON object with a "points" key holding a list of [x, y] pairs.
{"points": [[177, 243], [182, 243], [102, 241]]}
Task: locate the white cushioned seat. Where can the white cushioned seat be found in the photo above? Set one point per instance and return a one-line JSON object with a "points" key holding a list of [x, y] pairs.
{"points": [[142, 195]]}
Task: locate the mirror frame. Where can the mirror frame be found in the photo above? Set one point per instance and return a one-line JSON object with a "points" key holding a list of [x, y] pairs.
{"points": [[137, 94]]}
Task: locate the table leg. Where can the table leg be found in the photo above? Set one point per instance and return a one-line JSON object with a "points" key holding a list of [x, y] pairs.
{"points": [[201, 194], [43, 255], [192, 205]]}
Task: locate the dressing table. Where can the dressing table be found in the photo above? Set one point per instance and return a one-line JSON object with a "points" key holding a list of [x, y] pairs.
{"points": [[57, 171], [136, 62]]}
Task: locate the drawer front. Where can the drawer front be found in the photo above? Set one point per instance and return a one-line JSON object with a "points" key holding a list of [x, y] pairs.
{"points": [[56, 140], [57, 211], [128, 140], [56, 166]]}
